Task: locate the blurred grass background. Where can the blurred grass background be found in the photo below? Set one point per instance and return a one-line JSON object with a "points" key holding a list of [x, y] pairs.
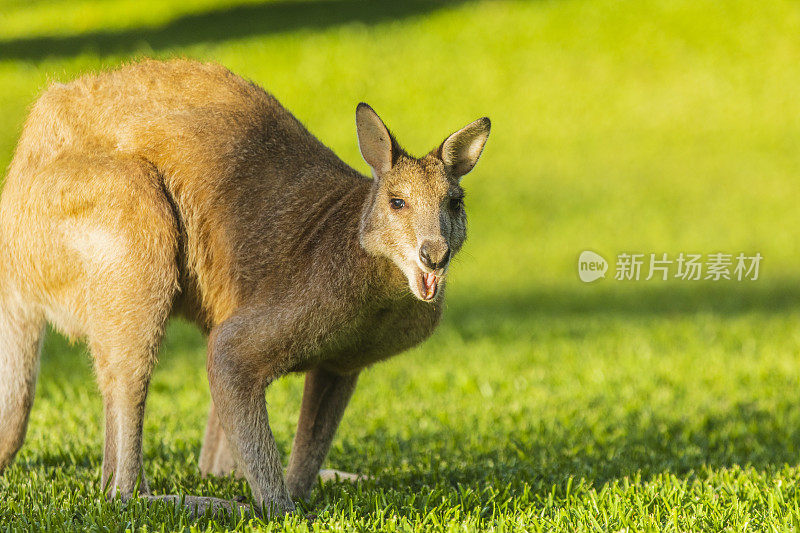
{"points": [[652, 126]]}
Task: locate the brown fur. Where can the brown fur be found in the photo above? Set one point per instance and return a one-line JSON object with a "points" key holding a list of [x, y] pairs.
{"points": [[178, 187]]}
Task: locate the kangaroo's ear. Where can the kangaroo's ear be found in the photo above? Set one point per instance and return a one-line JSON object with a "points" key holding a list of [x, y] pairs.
{"points": [[378, 147], [461, 150]]}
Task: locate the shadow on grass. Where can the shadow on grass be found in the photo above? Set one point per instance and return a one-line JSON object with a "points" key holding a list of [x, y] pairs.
{"points": [[221, 25], [484, 313]]}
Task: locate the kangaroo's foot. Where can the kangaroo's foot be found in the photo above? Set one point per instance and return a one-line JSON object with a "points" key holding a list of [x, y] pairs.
{"points": [[201, 505], [331, 475]]}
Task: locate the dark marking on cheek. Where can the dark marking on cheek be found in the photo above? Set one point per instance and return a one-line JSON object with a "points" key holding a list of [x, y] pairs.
{"points": [[458, 233], [445, 224]]}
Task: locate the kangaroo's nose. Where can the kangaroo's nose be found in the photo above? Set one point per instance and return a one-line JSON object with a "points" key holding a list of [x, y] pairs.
{"points": [[434, 254]]}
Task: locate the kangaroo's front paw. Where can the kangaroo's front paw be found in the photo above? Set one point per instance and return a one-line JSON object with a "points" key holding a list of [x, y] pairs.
{"points": [[202, 505], [327, 475]]}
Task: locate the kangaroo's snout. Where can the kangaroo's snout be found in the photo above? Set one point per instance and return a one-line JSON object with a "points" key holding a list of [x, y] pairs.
{"points": [[434, 254]]}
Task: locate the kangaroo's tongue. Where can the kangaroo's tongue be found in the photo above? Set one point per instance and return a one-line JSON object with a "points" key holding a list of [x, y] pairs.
{"points": [[430, 281]]}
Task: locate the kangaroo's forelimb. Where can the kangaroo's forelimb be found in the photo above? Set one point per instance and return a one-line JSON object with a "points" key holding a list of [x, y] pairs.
{"points": [[238, 373]]}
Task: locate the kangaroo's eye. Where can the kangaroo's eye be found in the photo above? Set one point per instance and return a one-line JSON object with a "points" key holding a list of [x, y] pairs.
{"points": [[397, 203], [456, 204]]}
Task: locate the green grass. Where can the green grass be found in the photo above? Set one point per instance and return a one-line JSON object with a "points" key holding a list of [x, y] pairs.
{"points": [[541, 403]]}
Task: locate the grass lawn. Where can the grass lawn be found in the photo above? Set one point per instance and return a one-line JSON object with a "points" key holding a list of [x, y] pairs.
{"points": [[542, 403]]}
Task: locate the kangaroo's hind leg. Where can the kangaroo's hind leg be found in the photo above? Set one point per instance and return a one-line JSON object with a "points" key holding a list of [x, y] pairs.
{"points": [[216, 458], [122, 232], [325, 397], [21, 328]]}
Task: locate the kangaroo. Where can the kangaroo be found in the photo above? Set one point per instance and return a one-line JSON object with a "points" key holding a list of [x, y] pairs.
{"points": [[177, 187]]}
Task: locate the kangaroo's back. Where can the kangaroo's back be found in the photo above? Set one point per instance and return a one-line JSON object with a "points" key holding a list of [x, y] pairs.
{"points": [[132, 109], [242, 173]]}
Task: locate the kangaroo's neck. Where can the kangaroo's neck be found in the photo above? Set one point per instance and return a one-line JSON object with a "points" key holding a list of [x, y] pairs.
{"points": [[337, 233]]}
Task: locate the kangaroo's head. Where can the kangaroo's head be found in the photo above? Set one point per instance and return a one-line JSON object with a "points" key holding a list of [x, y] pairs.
{"points": [[416, 215]]}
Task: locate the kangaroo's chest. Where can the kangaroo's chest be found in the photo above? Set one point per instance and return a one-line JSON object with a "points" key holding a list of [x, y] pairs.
{"points": [[379, 334]]}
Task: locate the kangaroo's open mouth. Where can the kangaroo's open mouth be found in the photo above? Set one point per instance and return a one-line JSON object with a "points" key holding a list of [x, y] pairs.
{"points": [[428, 285]]}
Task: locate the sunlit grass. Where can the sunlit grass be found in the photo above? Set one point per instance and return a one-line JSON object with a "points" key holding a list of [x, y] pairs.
{"points": [[542, 403]]}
